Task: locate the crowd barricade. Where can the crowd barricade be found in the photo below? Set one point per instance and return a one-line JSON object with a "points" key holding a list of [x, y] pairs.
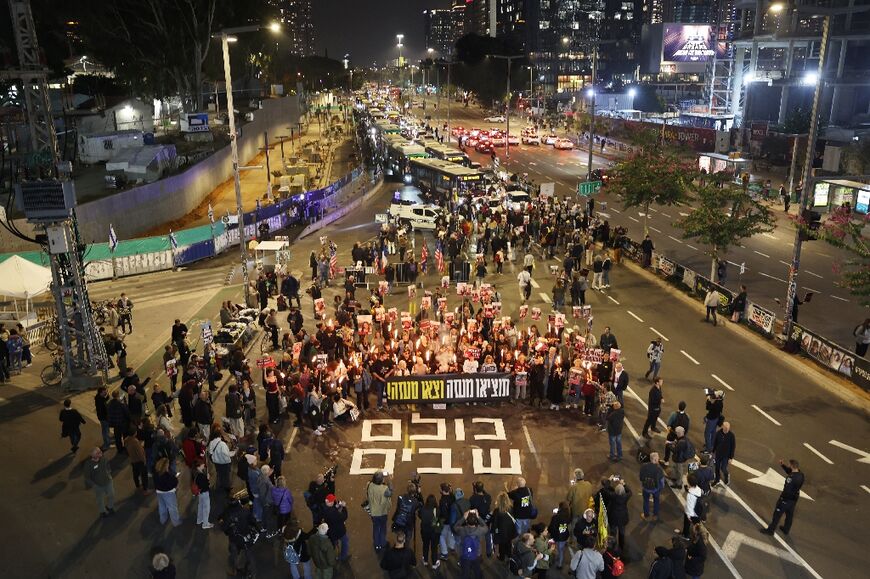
{"points": [[460, 271], [821, 350], [149, 254]]}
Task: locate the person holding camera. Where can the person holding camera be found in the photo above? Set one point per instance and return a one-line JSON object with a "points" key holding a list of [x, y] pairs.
{"points": [[335, 515], [654, 353], [378, 500], [469, 530], [714, 417]]}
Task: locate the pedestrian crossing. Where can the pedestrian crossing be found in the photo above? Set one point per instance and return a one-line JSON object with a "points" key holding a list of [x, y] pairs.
{"points": [[162, 286]]}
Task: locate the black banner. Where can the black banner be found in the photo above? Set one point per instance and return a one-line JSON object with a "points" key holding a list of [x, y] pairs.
{"points": [[446, 388], [832, 356]]}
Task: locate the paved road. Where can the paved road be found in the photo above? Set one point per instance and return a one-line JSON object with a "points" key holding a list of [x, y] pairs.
{"points": [[767, 257], [777, 406]]}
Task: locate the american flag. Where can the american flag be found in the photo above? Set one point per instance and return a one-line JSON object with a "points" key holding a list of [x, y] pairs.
{"points": [[383, 264], [439, 256], [424, 257], [333, 259]]}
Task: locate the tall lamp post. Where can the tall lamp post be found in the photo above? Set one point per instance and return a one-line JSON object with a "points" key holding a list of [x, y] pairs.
{"points": [[507, 110], [226, 36], [399, 46], [591, 93], [813, 134]]}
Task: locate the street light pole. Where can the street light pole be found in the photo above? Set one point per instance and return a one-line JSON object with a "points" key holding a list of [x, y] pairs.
{"points": [[592, 110], [507, 110], [807, 180], [243, 255]]}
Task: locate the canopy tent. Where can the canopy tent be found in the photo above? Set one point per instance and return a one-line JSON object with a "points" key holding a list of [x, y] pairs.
{"points": [[22, 279]]}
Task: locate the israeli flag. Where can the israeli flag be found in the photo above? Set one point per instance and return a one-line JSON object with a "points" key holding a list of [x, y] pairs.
{"points": [[113, 239], [173, 242]]}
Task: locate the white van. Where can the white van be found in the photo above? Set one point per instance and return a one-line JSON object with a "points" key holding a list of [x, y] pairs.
{"points": [[417, 216], [518, 200]]}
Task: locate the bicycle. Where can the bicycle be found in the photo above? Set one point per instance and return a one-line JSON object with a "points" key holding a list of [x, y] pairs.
{"points": [[52, 375], [51, 341]]}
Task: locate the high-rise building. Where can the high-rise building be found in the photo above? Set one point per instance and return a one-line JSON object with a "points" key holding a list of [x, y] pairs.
{"points": [[692, 11], [480, 17], [443, 28], [297, 24]]}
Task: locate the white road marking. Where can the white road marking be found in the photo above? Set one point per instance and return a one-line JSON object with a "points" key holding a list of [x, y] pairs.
{"points": [[743, 246], [735, 539], [865, 456], [613, 300], [722, 382], [770, 235], [561, 183], [683, 214], [633, 219], [659, 334], [666, 215], [815, 291], [785, 263], [690, 246], [615, 210], [642, 214], [684, 353], [866, 488], [531, 445], [653, 209], [819, 454], [761, 254], [633, 315], [814, 274], [839, 298], [766, 415], [535, 284], [675, 239], [654, 229], [772, 277], [546, 298]]}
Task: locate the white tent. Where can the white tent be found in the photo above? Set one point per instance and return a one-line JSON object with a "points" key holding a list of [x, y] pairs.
{"points": [[22, 279]]}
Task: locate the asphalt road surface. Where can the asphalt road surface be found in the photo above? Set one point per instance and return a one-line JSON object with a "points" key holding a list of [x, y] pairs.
{"points": [[778, 407], [833, 312]]}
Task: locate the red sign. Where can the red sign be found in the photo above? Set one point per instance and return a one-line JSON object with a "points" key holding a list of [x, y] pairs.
{"points": [[265, 362]]}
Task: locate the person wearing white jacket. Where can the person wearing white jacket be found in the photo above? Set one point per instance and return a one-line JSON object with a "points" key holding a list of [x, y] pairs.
{"points": [[711, 301], [690, 513]]}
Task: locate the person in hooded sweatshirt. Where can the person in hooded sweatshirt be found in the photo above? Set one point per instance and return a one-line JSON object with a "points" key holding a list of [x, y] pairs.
{"points": [[661, 567]]}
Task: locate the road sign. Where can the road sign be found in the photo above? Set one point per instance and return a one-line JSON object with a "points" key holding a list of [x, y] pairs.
{"points": [[588, 187]]}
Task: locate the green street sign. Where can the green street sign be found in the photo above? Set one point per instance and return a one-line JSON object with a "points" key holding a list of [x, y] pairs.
{"points": [[588, 187]]}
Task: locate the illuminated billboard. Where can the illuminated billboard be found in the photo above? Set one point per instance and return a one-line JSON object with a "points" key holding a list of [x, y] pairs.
{"points": [[687, 43]]}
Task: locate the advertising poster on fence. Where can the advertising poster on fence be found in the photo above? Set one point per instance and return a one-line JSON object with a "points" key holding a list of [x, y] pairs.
{"points": [[667, 266], [689, 277], [827, 353], [447, 388], [761, 318]]}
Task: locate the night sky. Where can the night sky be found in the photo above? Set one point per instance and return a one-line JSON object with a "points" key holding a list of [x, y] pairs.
{"points": [[367, 28]]}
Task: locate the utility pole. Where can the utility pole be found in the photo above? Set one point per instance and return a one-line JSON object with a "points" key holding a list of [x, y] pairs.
{"points": [[592, 110], [507, 114]]}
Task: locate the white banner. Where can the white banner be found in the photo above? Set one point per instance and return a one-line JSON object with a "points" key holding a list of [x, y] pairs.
{"points": [[761, 317]]}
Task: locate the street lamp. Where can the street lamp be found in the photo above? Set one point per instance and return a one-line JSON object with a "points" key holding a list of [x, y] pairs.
{"points": [[399, 46], [632, 92], [813, 133], [226, 38], [507, 110]]}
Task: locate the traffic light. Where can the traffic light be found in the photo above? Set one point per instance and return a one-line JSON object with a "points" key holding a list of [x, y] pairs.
{"points": [[810, 223]]}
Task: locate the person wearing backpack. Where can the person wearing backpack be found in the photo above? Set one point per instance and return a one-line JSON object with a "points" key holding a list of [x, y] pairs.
{"points": [[652, 481], [296, 551], [405, 516], [445, 510], [694, 510], [469, 530], [684, 451], [678, 417]]}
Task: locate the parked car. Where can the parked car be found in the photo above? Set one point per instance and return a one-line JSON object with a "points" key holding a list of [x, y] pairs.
{"points": [[564, 144], [530, 138], [513, 140], [495, 119], [417, 216], [550, 139]]}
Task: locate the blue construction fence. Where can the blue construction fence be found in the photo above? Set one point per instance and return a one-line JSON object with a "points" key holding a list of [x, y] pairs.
{"points": [[148, 254]]}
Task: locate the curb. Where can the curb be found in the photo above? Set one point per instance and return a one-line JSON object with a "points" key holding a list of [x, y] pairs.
{"points": [[834, 384]]}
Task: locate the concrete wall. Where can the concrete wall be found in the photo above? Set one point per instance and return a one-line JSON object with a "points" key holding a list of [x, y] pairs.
{"points": [[143, 208]]}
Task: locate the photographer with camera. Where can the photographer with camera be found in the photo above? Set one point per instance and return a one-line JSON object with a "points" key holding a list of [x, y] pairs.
{"points": [[318, 489], [377, 503], [335, 515], [714, 417], [469, 530]]}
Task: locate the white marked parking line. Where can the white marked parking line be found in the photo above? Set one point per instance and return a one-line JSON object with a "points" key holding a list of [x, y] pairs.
{"points": [[546, 298], [722, 382], [535, 284], [633, 219], [839, 298], [772, 277], [815, 291], [666, 215], [766, 415], [761, 254], [819, 454], [659, 334], [686, 354], [690, 246], [633, 315], [813, 274], [613, 300], [866, 488], [675, 239], [656, 230], [615, 210]]}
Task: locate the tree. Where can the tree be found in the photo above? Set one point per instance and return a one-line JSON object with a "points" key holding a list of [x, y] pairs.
{"points": [[857, 157], [651, 175], [723, 214], [159, 47], [844, 230], [797, 121]]}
